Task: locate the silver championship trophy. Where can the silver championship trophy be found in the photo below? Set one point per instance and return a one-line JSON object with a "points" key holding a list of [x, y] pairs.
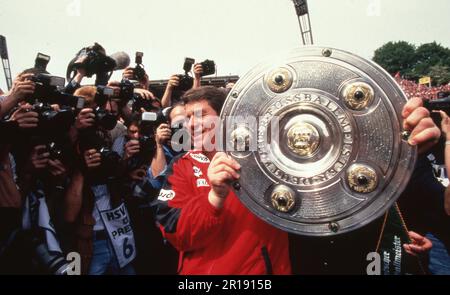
{"points": [[319, 135]]}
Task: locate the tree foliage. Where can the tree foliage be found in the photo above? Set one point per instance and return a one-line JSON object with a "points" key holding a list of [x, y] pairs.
{"points": [[430, 59]]}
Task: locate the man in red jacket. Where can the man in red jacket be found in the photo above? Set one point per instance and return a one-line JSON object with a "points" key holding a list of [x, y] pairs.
{"points": [[203, 218]]}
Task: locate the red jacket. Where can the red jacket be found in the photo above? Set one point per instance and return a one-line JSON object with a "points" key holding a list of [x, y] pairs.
{"points": [[230, 240]]}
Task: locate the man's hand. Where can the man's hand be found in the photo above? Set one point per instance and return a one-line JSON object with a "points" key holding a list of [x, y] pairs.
{"points": [[416, 118], [25, 118], [22, 87], [85, 119], [174, 81], [445, 123], [39, 157], [163, 134], [57, 168], [419, 244], [128, 73], [132, 147], [145, 94], [221, 172], [138, 174], [92, 158], [198, 71]]}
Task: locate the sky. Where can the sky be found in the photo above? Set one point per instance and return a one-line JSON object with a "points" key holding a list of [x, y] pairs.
{"points": [[237, 34]]}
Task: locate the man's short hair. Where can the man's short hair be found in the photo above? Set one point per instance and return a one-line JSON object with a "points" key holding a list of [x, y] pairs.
{"points": [[88, 93], [211, 94]]}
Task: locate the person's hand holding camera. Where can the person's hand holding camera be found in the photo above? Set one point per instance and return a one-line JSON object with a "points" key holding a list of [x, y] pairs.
{"points": [[163, 134], [138, 174], [198, 71], [128, 73], [221, 172], [85, 119], [22, 87], [81, 71], [39, 157], [57, 169], [25, 118], [174, 81], [132, 147], [145, 94], [92, 159]]}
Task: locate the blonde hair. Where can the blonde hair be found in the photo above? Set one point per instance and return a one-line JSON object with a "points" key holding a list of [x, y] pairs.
{"points": [[88, 93]]}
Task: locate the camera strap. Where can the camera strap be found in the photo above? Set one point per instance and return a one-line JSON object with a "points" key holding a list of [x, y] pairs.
{"points": [[394, 233]]}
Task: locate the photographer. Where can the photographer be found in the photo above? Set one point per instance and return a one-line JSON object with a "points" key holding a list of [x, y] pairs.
{"points": [[95, 195], [40, 178], [164, 134]]}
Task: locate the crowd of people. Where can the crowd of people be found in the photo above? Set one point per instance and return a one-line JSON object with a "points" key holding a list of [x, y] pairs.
{"points": [[102, 178], [413, 89]]}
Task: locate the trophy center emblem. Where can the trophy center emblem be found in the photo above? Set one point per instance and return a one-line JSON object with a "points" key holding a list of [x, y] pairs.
{"points": [[303, 139]]}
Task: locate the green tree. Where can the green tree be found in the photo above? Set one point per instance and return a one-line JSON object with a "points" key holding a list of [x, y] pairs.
{"points": [[396, 57], [439, 74], [430, 59], [431, 55]]}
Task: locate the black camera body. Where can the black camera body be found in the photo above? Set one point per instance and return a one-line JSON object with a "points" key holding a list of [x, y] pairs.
{"points": [[47, 90], [55, 151], [139, 71], [110, 160], [126, 90], [147, 150], [209, 67], [96, 60], [53, 121], [141, 103], [186, 81], [442, 104], [104, 119]]}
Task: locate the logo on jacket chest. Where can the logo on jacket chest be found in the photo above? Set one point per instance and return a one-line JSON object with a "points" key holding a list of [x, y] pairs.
{"points": [[166, 195], [197, 171]]}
